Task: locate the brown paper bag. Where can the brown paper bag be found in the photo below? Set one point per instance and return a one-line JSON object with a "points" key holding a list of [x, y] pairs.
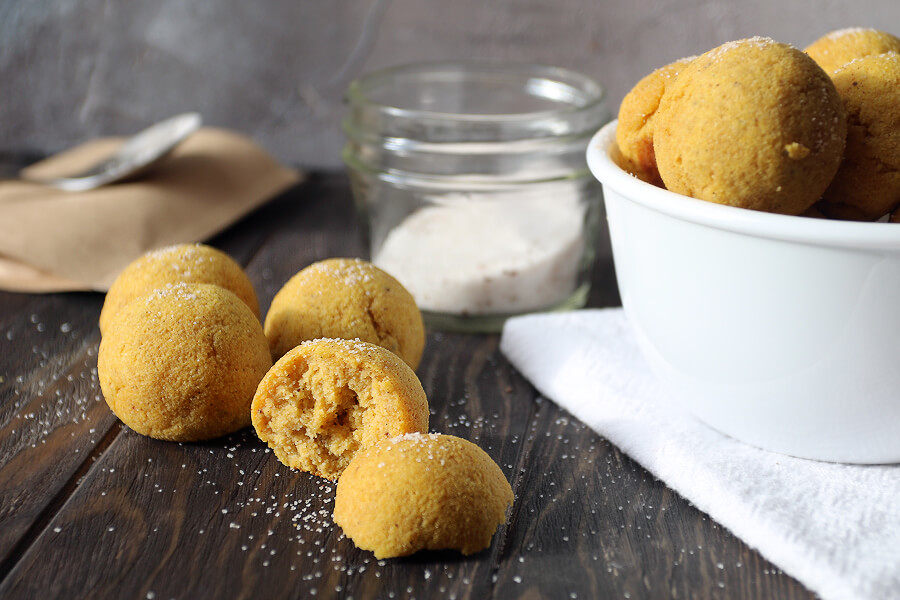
{"points": [[52, 240]]}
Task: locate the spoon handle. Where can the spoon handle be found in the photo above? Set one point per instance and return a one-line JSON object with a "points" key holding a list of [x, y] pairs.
{"points": [[133, 156]]}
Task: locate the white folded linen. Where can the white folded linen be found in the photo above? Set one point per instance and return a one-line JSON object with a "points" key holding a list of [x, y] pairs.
{"points": [[834, 527]]}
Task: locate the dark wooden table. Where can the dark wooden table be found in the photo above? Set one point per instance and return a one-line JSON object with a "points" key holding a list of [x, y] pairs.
{"points": [[90, 509]]}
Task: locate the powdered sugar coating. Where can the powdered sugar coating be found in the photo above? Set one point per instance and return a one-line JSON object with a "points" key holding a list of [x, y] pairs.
{"points": [[421, 491], [729, 130], [345, 298], [182, 362], [181, 263], [328, 398], [837, 48]]}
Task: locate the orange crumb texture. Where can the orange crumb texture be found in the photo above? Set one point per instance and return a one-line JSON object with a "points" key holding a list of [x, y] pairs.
{"points": [[634, 132], [422, 492], [346, 298], [759, 124], [327, 398], [182, 362], [183, 357], [181, 263]]}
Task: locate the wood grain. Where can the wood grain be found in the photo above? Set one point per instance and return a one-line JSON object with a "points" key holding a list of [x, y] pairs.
{"points": [[91, 509], [52, 416]]}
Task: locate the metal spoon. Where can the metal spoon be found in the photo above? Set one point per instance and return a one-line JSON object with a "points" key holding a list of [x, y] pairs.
{"points": [[134, 155]]}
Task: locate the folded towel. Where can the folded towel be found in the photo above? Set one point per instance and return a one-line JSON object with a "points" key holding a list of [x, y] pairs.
{"points": [[833, 527], [52, 240]]}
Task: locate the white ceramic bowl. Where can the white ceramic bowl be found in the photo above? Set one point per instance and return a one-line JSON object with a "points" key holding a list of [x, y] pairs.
{"points": [[780, 331]]}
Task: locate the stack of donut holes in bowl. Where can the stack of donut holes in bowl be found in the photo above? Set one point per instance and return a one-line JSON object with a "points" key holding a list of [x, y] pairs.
{"points": [[759, 124], [184, 357]]}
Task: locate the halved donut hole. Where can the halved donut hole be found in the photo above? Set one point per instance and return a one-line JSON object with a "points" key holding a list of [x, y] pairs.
{"points": [[326, 399], [341, 422]]}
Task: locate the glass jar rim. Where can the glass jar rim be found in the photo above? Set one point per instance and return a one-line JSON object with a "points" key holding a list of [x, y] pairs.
{"points": [[593, 94]]}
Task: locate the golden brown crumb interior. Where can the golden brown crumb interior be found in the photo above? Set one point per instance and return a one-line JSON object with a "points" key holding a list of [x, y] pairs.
{"points": [[313, 416]]}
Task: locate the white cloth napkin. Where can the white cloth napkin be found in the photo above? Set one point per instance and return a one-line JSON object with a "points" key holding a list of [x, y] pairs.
{"points": [[834, 527]]}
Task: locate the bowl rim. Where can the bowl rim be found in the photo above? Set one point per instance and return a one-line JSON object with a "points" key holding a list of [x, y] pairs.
{"points": [[823, 232]]}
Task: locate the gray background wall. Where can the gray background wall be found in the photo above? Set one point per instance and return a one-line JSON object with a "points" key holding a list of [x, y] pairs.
{"points": [[276, 69]]}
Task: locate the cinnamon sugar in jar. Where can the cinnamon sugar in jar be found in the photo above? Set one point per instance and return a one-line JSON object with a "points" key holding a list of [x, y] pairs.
{"points": [[473, 186]]}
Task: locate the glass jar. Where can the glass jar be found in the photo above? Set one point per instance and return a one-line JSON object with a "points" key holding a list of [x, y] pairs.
{"points": [[473, 186]]}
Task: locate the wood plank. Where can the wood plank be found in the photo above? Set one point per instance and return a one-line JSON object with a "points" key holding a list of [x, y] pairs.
{"points": [[243, 239], [592, 523], [50, 396], [225, 519], [314, 222], [171, 519], [52, 414]]}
